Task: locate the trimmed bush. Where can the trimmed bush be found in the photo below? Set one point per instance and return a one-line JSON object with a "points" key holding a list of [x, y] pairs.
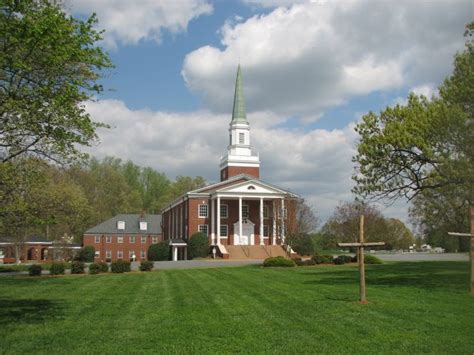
{"points": [[198, 246], [323, 259], [159, 252], [346, 258], [308, 262], [35, 270], [339, 261], [57, 269], [94, 268], [104, 267], [86, 254], [278, 261], [372, 259], [146, 265], [77, 267], [120, 266]]}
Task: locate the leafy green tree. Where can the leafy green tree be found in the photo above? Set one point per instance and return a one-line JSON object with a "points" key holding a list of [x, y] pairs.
{"points": [[198, 246], [427, 144], [49, 66], [184, 184], [159, 252], [398, 236], [87, 254]]}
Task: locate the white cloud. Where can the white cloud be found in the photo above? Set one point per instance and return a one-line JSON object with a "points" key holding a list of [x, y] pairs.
{"points": [[306, 58], [129, 22], [316, 164]]}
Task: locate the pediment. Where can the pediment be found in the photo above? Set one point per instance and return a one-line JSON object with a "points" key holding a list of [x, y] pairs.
{"points": [[251, 187]]}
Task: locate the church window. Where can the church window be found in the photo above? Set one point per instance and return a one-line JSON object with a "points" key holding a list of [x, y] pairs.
{"points": [[224, 211], [224, 230], [265, 212], [202, 211], [241, 138], [245, 211], [203, 228], [265, 231]]}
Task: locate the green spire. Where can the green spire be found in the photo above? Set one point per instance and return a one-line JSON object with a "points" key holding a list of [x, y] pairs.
{"points": [[238, 113]]}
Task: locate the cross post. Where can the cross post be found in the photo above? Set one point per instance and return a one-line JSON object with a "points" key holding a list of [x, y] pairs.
{"points": [[360, 246], [471, 248]]}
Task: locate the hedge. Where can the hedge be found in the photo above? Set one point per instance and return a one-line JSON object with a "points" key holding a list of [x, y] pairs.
{"points": [[146, 265], [323, 259], [159, 252], [57, 269], [120, 266], [279, 261], [198, 246], [77, 267], [35, 270]]}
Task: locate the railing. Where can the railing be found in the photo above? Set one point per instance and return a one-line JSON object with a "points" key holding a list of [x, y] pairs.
{"points": [[246, 250]]}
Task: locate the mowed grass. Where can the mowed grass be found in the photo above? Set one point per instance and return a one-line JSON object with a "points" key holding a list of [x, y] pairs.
{"points": [[414, 307]]}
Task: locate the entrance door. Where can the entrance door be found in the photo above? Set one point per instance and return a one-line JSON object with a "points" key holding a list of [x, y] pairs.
{"points": [[247, 237]]}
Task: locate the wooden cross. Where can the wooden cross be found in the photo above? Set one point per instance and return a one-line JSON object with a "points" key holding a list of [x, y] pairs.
{"points": [[360, 257], [471, 248]]}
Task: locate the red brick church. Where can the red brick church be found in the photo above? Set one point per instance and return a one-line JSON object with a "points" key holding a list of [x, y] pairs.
{"points": [[242, 215]]}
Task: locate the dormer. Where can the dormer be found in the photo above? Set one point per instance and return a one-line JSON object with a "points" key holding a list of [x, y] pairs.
{"points": [[121, 225], [143, 226]]}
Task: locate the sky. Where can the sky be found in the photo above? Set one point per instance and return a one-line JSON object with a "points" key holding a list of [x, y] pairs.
{"points": [[311, 70]]}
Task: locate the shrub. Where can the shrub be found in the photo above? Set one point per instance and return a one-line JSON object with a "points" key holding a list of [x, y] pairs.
{"points": [[198, 246], [57, 269], [323, 259], [77, 267], [278, 261], [120, 266], [339, 260], [354, 259], [146, 265], [372, 259], [159, 252], [346, 258], [86, 254], [307, 262], [94, 268], [104, 267], [35, 270], [302, 243]]}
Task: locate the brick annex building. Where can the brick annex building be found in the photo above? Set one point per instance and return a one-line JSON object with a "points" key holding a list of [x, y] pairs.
{"points": [[242, 215]]}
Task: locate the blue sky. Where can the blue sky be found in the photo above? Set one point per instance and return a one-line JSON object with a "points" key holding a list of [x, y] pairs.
{"points": [[311, 69]]}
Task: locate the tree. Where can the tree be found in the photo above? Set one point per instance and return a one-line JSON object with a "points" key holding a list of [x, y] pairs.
{"points": [[426, 145], [198, 246], [398, 235], [87, 254], [300, 222], [49, 66], [184, 184], [159, 252]]}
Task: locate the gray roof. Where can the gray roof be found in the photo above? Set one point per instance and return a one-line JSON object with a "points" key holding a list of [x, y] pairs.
{"points": [[132, 225], [29, 239]]}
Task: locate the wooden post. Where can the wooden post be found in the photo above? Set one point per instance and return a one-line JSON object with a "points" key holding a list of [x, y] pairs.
{"points": [[362, 297], [471, 250]]}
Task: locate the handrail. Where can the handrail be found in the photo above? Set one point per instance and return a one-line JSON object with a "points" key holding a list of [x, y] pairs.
{"points": [[246, 250]]}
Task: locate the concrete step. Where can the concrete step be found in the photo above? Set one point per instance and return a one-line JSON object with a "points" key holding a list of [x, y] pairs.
{"points": [[246, 252]]}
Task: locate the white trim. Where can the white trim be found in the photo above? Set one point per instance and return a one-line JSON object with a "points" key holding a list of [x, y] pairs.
{"points": [[207, 210], [130, 239], [226, 210], [227, 231], [218, 215], [120, 239], [207, 228], [213, 221]]}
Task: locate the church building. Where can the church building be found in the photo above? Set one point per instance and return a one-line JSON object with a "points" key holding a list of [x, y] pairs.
{"points": [[243, 216]]}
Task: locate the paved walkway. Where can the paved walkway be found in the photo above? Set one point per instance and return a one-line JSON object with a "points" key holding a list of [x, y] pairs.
{"points": [[191, 264], [423, 256]]}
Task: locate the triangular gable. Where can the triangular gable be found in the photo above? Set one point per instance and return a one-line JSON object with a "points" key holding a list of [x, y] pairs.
{"points": [[218, 185], [252, 186]]}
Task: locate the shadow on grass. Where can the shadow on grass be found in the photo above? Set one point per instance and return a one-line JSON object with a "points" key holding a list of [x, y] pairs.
{"points": [[428, 275], [29, 311]]}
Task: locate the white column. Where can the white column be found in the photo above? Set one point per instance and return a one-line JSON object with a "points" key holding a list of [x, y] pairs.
{"points": [[274, 223], [213, 218], [175, 253], [240, 218], [218, 216], [283, 221], [185, 253], [261, 221], [169, 224]]}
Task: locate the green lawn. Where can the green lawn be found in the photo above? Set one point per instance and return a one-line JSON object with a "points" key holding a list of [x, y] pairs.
{"points": [[414, 307]]}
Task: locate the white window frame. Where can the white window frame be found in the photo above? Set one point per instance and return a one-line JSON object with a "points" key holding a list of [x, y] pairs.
{"points": [[201, 215], [131, 253], [143, 225], [121, 225], [108, 254], [132, 240], [226, 209], [108, 239], [154, 240], [241, 138], [97, 239], [266, 231], [266, 212], [120, 239], [203, 225], [119, 254], [245, 214], [143, 240], [226, 231], [142, 254], [97, 254]]}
